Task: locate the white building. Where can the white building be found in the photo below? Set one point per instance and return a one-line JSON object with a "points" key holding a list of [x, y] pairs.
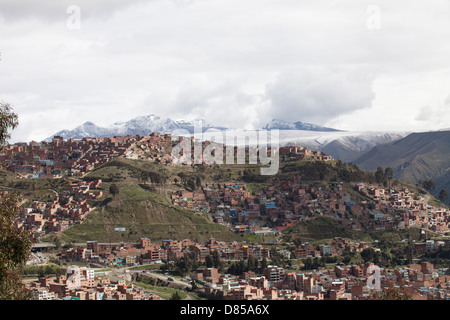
{"points": [[42, 294]]}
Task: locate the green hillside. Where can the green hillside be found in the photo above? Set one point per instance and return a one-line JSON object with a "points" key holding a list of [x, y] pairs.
{"points": [[323, 228], [143, 210], [142, 206]]}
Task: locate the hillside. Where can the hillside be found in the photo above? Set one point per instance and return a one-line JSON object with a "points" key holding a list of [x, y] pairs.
{"points": [[145, 211], [142, 210], [419, 156], [323, 228], [343, 145]]}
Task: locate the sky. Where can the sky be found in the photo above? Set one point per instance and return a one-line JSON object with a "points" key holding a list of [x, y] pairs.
{"points": [[353, 65]]}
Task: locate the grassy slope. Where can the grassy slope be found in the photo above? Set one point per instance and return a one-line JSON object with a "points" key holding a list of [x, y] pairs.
{"points": [[144, 213], [32, 189], [323, 228]]}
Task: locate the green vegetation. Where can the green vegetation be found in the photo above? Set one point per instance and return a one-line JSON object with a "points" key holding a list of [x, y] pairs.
{"points": [[140, 209], [443, 195], [43, 271], [323, 228], [440, 258], [136, 197], [15, 244], [159, 288], [391, 294], [333, 171], [164, 289], [418, 158]]}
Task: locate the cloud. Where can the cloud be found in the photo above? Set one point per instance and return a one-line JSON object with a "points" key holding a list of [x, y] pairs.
{"points": [[234, 63], [424, 114], [223, 102], [51, 10], [437, 116], [318, 94]]}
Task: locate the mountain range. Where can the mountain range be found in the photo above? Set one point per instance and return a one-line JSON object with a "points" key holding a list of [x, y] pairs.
{"points": [[298, 125], [413, 156], [418, 156], [140, 125], [152, 123], [343, 145]]}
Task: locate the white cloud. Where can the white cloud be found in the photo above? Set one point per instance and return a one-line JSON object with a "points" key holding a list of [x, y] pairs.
{"points": [[319, 94], [233, 63], [50, 10], [436, 115]]}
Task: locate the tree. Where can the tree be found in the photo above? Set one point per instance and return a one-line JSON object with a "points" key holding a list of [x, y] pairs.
{"points": [[237, 268], [198, 182], [443, 195], [8, 120], [209, 261], [391, 294], [369, 255], [176, 296], [191, 184], [388, 175], [379, 176], [264, 263], [308, 264], [57, 242], [428, 185], [15, 244], [252, 263], [114, 189], [347, 255], [297, 242], [185, 264], [217, 262], [409, 252]]}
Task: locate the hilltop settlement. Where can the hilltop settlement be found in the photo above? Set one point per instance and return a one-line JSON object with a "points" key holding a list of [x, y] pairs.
{"points": [[313, 272]]}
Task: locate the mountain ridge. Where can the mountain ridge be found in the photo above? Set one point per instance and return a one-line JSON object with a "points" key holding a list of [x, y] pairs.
{"points": [[153, 123], [343, 145], [297, 125], [139, 125], [418, 156]]}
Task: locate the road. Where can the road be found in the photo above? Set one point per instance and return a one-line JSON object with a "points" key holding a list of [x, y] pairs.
{"points": [[125, 273], [178, 282]]}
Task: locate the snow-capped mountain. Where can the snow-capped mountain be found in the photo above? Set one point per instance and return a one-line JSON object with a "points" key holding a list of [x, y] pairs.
{"points": [[140, 125], [87, 129], [343, 145], [298, 125]]}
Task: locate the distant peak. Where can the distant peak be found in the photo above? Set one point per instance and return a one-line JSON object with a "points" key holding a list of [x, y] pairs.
{"points": [[295, 125]]}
